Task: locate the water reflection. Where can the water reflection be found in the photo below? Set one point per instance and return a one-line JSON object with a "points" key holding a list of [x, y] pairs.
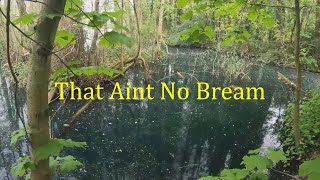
{"points": [[171, 139]]}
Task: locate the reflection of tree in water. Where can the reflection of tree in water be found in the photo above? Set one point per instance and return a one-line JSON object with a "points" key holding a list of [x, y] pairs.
{"points": [[8, 123], [169, 139]]}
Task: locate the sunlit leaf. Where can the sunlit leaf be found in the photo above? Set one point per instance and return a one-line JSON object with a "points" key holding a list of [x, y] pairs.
{"points": [[25, 19], [116, 14], [113, 38], [256, 162], [64, 38], [186, 16], [276, 156], [182, 3], [209, 32], [55, 146]]}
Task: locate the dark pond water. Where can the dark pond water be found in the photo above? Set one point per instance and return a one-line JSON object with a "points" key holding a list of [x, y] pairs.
{"points": [[156, 139]]}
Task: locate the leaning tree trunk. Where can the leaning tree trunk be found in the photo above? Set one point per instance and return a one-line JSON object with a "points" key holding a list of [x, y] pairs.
{"points": [[296, 112], [37, 88], [317, 34]]}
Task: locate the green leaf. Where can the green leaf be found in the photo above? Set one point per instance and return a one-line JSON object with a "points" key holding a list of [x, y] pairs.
{"points": [[256, 162], [53, 164], [310, 169], [16, 136], [25, 19], [116, 14], [55, 146], [268, 21], [259, 176], [253, 14], [64, 164], [52, 148], [64, 73], [22, 165], [98, 19], [64, 38], [207, 178], [67, 164], [186, 16], [182, 3], [234, 174], [256, 151], [71, 7], [276, 156], [113, 38], [209, 32], [119, 26]]}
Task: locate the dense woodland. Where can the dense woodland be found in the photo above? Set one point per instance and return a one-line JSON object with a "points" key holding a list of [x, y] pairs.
{"points": [[98, 41]]}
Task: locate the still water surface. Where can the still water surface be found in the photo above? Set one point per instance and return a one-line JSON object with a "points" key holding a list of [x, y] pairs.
{"points": [[165, 139]]}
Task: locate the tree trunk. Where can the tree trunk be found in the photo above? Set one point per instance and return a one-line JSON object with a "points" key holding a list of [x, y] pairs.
{"points": [[92, 55], [296, 112], [37, 87], [21, 7], [173, 15], [129, 20], [317, 34], [158, 39]]}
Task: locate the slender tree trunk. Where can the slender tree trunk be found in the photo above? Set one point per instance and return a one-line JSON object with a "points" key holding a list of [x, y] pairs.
{"points": [[21, 7], [137, 10], [129, 21], [22, 10], [37, 87], [296, 113], [122, 49], [317, 33], [158, 39], [92, 55], [174, 14]]}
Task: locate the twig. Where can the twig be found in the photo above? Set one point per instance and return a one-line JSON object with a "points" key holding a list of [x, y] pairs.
{"points": [[11, 69], [273, 6], [39, 44], [292, 176]]}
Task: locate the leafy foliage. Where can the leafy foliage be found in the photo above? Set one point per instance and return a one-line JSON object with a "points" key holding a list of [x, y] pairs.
{"points": [[255, 166], [64, 164], [309, 127], [65, 73], [237, 11], [64, 38], [50, 150], [311, 169], [55, 146], [16, 136], [182, 3], [22, 165], [25, 19], [113, 38]]}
